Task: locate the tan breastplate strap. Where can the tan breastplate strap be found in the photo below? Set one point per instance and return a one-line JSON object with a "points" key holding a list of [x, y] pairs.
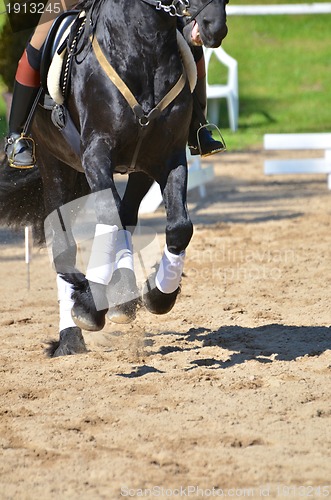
{"points": [[144, 118]]}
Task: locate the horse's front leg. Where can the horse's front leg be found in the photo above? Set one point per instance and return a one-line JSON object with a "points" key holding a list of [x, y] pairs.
{"points": [[161, 289], [91, 303], [123, 294]]}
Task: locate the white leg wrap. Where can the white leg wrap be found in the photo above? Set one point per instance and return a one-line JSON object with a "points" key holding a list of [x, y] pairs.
{"points": [[102, 258], [170, 271], [64, 291], [124, 250]]}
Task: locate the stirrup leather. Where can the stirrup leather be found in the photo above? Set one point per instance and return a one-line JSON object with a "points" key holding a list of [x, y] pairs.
{"points": [[14, 142]]}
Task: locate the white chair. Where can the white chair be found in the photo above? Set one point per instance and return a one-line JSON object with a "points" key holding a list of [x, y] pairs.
{"points": [[229, 91]]}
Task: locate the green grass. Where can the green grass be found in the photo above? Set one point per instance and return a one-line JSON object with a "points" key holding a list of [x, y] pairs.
{"points": [[284, 67], [284, 75]]}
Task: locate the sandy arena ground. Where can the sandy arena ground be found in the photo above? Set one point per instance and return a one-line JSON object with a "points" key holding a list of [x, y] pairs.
{"points": [[226, 396]]}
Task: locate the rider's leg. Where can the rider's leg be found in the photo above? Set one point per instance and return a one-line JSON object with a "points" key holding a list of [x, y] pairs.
{"points": [[200, 140], [19, 147]]}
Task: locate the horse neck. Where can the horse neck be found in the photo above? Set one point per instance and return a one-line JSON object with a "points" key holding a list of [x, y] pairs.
{"points": [[135, 28]]}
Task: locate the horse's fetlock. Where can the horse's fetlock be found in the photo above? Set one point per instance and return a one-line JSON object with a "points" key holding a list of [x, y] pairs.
{"points": [[90, 307], [179, 236], [123, 296], [98, 295], [155, 300]]}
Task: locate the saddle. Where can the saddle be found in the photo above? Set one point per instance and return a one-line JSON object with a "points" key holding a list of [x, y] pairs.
{"points": [[56, 60]]}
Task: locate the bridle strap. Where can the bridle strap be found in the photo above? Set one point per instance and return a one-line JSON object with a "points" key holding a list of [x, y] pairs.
{"points": [[194, 16], [178, 8]]}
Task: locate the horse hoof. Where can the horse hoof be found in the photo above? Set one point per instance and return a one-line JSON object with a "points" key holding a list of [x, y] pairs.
{"points": [[90, 307], [120, 315], [122, 296], [92, 321], [156, 301], [71, 342]]}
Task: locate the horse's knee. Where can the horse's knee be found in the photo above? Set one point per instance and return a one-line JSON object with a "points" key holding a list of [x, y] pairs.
{"points": [[179, 235]]}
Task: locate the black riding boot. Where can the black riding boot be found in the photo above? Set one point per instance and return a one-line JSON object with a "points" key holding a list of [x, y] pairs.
{"points": [[19, 148], [200, 140]]}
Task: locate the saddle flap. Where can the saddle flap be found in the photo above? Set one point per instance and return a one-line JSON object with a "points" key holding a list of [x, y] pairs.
{"points": [[60, 27]]}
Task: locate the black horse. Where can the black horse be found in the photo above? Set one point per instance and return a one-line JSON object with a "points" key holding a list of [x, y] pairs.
{"points": [[144, 136]]}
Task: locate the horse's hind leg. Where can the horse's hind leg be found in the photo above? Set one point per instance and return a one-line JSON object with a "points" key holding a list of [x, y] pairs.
{"points": [[161, 289], [59, 191], [71, 339], [123, 294]]}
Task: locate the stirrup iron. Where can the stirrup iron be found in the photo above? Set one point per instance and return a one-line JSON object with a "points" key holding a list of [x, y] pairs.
{"points": [[207, 126], [13, 143]]}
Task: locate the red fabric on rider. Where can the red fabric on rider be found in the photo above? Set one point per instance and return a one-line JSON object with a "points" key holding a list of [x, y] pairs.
{"points": [[26, 74]]}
